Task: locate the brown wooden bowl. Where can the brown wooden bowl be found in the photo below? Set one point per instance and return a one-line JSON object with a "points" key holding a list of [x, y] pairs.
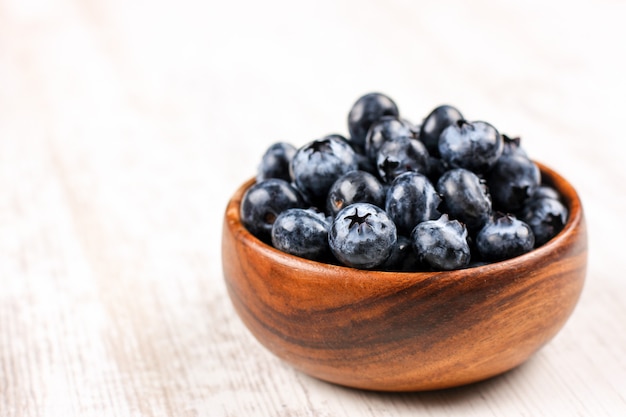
{"points": [[395, 331]]}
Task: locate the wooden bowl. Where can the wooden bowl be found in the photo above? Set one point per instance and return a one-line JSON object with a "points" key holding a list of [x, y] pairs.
{"points": [[395, 331]]}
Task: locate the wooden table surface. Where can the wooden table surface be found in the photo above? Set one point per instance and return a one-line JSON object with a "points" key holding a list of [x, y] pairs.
{"points": [[125, 126]]}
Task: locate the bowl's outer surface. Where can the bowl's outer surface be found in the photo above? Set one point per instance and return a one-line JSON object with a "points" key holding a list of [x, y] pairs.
{"points": [[405, 331]]}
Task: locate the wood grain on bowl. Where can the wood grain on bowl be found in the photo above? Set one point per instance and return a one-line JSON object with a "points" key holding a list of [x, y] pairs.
{"points": [[405, 331]]}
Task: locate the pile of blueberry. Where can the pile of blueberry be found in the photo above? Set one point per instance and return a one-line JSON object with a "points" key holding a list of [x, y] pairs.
{"points": [[447, 194]]}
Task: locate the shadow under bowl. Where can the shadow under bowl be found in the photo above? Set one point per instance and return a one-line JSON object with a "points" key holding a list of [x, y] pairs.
{"points": [[405, 331]]}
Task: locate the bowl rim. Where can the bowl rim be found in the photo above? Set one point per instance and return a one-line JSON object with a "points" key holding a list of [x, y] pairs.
{"points": [[569, 196]]}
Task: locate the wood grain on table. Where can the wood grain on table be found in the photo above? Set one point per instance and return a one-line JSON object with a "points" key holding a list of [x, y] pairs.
{"points": [[125, 126]]}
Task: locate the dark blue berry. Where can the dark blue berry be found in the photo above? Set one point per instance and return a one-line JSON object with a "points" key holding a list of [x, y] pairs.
{"points": [[365, 111], [504, 237], [363, 162], [402, 258], [318, 164], [436, 168], [471, 145], [400, 155], [413, 128], [276, 162], [465, 197], [512, 145], [545, 191], [546, 217], [362, 236], [438, 119], [385, 129], [411, 199], [301, 232], [354, 187], [512, 181], [263, 202], [442, 243]]}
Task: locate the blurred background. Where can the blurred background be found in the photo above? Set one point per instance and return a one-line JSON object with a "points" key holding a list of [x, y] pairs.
{"points": [[125, 126]]}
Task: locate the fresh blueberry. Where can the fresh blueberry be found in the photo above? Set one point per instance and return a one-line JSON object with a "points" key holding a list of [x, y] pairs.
{"points": [[438, 119], [318, 164], [436, 168], [512, 181], [411, 199], [362, 236], [365, 111], [263, 202], [545, 191], [546, 217], [512, 145], [400, 155], [301, 232], [442, 243], [363, 162], [276, 161], [504, 237], [465, 197], [354, 187], [384, 129], [403, 258], [413, 127], [471, 145]]}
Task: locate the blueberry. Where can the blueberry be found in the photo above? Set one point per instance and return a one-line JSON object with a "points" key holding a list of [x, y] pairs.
{"points": [[411, 199], [545, 191], [546, 217], [263, 202], [465, 197], [318, 164], [438, 119], [365, 111], [442, 243], [363, 162], [413, 128], [512, 145], [301, 232], [512, 181], [400, 155], [436, 168], [384, 129], [402, 258], [354, 187], [276, 161], [472, 145], [504, 237], [362, 236]]}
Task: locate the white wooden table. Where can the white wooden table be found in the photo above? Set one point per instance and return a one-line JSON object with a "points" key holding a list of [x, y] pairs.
{"points": [[125, 126]]}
